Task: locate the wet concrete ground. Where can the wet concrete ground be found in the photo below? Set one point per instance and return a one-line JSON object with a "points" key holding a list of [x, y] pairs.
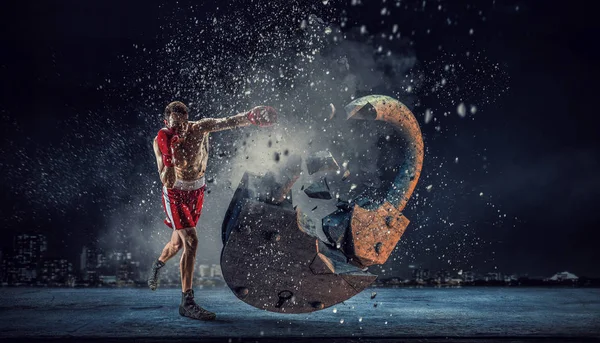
{"points": [[401, 314]]}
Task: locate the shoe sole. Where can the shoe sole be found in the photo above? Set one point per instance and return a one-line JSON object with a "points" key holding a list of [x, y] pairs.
{"points": [[183, 313]]}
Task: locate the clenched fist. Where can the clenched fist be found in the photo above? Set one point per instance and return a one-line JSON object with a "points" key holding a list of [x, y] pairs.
{"points": [[262, 116]]}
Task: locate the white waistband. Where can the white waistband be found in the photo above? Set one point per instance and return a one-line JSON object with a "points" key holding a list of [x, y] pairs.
{"points": [[185, 185]]}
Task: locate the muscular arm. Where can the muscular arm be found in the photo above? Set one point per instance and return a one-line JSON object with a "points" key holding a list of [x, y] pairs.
{"points": [[220, 124], [259, 115], [167, 174]]}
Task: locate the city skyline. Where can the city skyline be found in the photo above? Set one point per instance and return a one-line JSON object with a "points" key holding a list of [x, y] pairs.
{"points": [[28, 265]]}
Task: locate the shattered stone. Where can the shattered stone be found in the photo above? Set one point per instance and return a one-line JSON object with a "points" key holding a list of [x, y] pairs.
{"points": [[252, 186], [321, 161], [335, 255], [336, 225], [344, 205], [321, 264], [272, 188], [287, 177], [306, 224], [342, 267], [363, 201], [359, 280], [318, 190]]}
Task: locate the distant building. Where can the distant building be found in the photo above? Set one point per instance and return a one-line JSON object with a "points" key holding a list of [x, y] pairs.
{"points": [[57, 273], [454, 281], [170, 276], [117, 256], [204, 270], [394, 281], [24, 273], [493, 276], [128, 270], [108, 279], [83, 260], [88, 265], [101, 260], [114, 267], [124, 274], [29, 248], [442, 276], [22, 268], [468, 276], [215, 271], [563, 276], [11, 273], [420, 275]]}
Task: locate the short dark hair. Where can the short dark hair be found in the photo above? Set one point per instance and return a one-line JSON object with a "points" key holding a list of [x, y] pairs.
{"points": [[177, 107]]}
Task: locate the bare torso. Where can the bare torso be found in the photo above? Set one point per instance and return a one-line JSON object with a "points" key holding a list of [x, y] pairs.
{"points": [[191, 164], [191, 158]]}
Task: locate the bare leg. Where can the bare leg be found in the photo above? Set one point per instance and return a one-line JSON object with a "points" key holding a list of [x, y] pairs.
{"points": [[189, 307], [171, 248], [188, 258]]}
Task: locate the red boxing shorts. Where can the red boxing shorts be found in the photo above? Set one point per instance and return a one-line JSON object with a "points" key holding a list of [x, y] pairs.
{"points": [[183, 203]]}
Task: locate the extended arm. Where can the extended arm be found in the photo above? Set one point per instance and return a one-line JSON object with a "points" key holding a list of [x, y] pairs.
{"points": [[260, 115], [167, 173], [220, 124]]}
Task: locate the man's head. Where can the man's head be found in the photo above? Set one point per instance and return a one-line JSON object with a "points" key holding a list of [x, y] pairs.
{"points": [[176, 116]]}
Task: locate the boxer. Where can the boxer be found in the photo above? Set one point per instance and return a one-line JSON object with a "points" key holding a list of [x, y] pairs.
{"points": [[181, 150]]}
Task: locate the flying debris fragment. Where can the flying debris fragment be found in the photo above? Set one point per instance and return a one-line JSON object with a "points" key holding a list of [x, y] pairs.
{"points": [[318, 190], [346, 175], [335, 227], [461, 110], [332, 111], [428, 116], [321, 161]]}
